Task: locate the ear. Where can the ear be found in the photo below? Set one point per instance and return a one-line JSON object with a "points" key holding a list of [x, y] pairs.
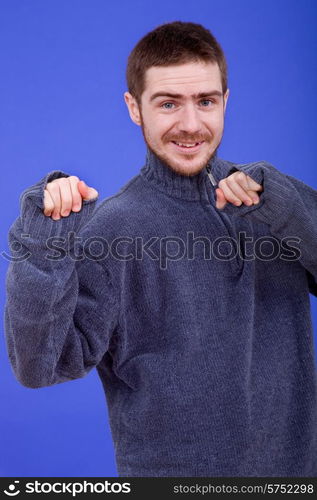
{"points": [[225, 97], [133, 108]]}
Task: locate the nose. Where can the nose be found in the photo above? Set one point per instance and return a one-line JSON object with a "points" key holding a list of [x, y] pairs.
{"points": [[189, 119]]}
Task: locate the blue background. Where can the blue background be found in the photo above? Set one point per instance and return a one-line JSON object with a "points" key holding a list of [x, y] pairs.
{"points": [[61, 98]]}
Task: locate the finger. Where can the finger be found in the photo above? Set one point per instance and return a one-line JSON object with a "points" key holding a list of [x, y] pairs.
{"points": [[76, 196], [245, 181], [221, 200], [252, 185], [238, 190], [83, 189], [54, 191], [248, 185], [66, 196], [87, 192], [229, 195], [254, 196], [48, 203]]}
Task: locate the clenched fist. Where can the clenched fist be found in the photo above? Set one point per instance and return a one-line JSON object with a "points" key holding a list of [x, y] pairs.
{"points": [[61, 196], [237, 188]]}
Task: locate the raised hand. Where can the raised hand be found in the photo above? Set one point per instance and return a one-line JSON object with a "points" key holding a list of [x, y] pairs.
{"points": [[63, 195], [237, 188]]}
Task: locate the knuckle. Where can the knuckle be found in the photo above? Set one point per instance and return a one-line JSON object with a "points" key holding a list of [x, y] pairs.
{"points": [[55, 181], [230, 179], [241, 176], [52, 187], [49, 185], [62, 181]]}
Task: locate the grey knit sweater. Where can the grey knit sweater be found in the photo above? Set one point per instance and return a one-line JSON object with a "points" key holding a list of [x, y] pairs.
{"points": [[197, 320]]}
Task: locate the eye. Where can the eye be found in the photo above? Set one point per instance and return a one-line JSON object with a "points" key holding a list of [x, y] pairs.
{"points": [[167, 105], [208, 101]]}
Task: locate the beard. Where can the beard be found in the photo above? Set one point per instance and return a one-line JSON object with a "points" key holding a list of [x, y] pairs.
{"points": [[174, 166]]}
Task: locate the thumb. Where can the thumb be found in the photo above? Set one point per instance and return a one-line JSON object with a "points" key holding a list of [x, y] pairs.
{"points": [[86, 192], [221, 200]]}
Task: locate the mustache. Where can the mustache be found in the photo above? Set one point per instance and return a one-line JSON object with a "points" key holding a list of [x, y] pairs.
{"points": [[189, 139]]}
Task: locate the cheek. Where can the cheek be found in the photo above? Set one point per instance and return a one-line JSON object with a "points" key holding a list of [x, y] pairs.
{"points": [[155, 125], [216, 125], [161, 129], [219, 121]]}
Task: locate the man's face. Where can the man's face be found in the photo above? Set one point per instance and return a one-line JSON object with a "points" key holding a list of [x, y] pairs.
{"points": [[181, 114]]}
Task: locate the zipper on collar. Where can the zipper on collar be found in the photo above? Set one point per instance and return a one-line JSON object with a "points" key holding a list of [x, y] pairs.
{"points": [[211, 177], [225, 223], [212, 196]]}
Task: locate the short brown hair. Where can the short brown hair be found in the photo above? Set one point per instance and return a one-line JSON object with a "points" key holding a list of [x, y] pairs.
{"points": [[173, 43]]}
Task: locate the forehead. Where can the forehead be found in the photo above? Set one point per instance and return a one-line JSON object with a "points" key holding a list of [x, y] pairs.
{"points": [[183, 78]]}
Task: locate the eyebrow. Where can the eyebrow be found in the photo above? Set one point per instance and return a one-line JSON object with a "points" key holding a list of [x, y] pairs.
{"points": [[200, 95]]}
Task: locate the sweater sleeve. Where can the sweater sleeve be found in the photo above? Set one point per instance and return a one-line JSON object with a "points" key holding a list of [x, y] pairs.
{"points": [[289, 207], [61, 306]]}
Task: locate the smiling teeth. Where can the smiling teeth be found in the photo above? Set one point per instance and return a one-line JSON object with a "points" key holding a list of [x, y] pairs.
{"points": [[187, 145]]}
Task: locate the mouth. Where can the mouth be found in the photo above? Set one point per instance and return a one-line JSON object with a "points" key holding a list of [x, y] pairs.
{"points": [[188, 147]]}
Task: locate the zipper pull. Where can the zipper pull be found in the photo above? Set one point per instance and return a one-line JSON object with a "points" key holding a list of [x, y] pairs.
{"points": [[211, 177]]}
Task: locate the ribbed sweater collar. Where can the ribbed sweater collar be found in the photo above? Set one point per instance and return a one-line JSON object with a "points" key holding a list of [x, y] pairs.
{"points": [[160, 175]]}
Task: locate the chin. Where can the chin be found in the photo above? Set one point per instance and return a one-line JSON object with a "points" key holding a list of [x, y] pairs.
{"points": [[189, 166], [189, 170]]}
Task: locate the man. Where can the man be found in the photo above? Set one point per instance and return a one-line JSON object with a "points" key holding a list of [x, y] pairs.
{"points": [[188, 290]]}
